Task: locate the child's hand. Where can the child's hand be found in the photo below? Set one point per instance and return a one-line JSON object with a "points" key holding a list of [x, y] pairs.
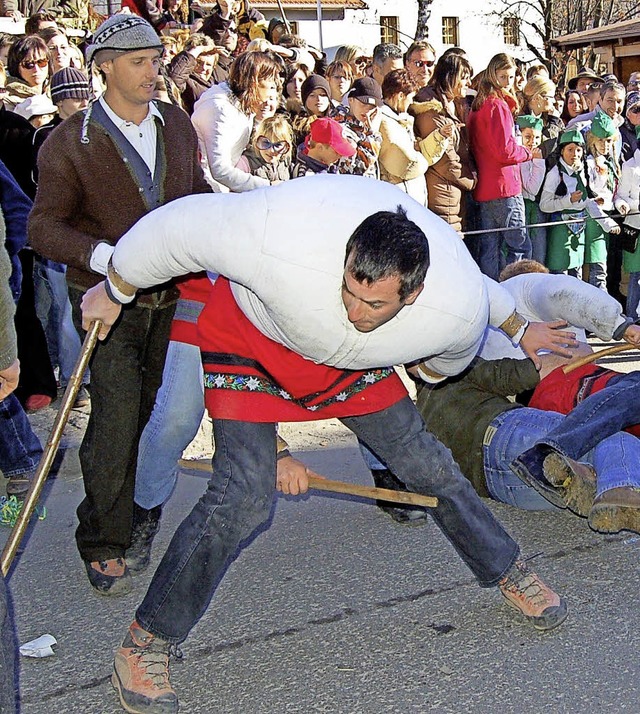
{"points": [[623, 209], [536, 153], [576, 196], [601, 164]]}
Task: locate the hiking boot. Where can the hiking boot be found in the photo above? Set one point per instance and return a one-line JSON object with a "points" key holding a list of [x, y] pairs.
{"points": [[109, 577], [141, 674], [524, 591], [408, 515], [615, 510], [19, 484], [145, 526], [562, 481]]}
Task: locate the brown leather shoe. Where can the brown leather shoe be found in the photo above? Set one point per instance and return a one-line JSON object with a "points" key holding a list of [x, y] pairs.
{"points": [[575, 481], [615, 510]]}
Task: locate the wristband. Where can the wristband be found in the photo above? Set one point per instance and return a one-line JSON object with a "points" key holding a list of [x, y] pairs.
{"points": [[110, 294]]}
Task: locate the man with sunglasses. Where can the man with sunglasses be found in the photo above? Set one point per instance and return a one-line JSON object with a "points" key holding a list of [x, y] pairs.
{"points": [[419, 61], [99, 172]]}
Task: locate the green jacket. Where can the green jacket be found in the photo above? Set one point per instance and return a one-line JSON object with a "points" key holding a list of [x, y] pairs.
{"points": [[458, 411]]}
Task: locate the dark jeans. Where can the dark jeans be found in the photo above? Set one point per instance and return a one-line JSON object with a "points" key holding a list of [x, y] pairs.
{"points": [[240, 494], [36, 372], [126, 371], [20, 448]]}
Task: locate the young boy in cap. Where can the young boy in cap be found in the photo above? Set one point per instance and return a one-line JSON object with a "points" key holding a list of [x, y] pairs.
{"points": [[532, 174], [362, 118], [324, 146], [100, 171]]}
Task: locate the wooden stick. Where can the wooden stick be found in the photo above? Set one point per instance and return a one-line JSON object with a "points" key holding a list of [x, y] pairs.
{"points": [[587, 359], [50, 450], [407, 498]]}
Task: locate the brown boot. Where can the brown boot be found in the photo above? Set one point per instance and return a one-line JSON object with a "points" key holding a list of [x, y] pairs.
{"points": [[615, 510], [141, 674], [525, 591], [575, 481]]}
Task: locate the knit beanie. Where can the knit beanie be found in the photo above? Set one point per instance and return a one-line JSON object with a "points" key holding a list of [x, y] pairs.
{"points": [[602, 126], [123, 33], [311, 83], [69, 83], [117, 35], [529, 121]]}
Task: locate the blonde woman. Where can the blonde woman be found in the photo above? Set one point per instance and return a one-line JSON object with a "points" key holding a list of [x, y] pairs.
{"points": [[497, 154], [539, 95]]}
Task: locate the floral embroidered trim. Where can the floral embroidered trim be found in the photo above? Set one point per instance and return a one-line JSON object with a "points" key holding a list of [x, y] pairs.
{"points": [[244, 383]]}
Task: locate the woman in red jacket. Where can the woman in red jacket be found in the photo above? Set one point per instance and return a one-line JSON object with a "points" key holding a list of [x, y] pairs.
{"points": [[497, 153]]}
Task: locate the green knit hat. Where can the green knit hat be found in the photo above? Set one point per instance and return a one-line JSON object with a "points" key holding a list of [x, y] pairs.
{"points": [[602, 126], [529, 121], [571, 136]]}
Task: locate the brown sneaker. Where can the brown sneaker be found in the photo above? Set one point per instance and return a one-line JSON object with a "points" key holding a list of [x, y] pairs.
{"points": [[524, 591], [109, 577], [615, 510], [141, 674]]}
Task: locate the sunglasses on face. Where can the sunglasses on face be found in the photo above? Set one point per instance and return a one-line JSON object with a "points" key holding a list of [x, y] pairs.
{"points": [[422, 63], [635, 110], [30, 65], [265, 145], [361, 61]]}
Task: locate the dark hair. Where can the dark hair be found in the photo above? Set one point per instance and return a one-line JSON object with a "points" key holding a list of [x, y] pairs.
{"points": [[385, 51], [447, 73], [418, 46], [32, 24], [399, 80], [388, 244], [23, 48], [48, 33], [612, 87], [291, 69]]}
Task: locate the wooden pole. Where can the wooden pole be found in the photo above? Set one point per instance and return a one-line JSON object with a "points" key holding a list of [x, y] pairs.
{"points": [[406, 498], [587, 359], [50, 449]]}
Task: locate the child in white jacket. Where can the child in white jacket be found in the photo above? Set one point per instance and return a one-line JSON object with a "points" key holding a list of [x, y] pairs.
{"points": [[532, 174]]}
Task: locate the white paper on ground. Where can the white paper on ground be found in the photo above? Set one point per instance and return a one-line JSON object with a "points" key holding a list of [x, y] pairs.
{"points": [[41, 647]]}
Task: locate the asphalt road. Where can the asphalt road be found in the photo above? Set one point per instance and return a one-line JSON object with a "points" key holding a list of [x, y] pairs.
{"points": [[337, 609]]}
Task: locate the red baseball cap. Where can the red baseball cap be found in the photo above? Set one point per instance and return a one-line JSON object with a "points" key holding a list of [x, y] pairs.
{"points": [[328, 131]]}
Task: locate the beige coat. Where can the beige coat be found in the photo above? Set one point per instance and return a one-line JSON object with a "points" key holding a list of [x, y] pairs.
{"points": [[452, 174]]}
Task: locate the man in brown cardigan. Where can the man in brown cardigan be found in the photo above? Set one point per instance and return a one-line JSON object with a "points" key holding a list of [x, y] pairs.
{"points": [[99, 172]]}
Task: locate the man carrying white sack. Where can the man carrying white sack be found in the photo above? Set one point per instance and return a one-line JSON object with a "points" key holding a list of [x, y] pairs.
{"points": [[307, 326]]}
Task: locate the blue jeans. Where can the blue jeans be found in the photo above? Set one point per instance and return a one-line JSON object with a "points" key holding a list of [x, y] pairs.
{"points": [[20, 448], [591, 432], [596, 420], [54, 312], [174, 422], [633, 296], [502, 213], [240, 494], [538, 235]]}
